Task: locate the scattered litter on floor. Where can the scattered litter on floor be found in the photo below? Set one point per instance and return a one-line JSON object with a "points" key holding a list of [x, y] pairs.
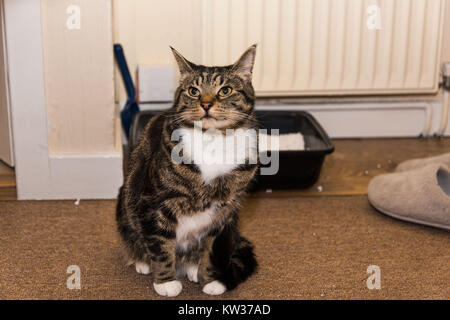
{"points": [[77, 202], [268, 190], [319, 188], [366, 172]]}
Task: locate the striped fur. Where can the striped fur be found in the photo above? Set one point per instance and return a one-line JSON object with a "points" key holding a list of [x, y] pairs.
{"points": [[169, 217]]}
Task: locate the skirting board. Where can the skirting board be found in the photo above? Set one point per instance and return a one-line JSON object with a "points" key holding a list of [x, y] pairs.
{"points": [[383, 119], [373, 120], [80, 177]]}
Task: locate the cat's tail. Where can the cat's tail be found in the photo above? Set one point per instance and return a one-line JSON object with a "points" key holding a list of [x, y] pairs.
{"points": [[241, 263]]}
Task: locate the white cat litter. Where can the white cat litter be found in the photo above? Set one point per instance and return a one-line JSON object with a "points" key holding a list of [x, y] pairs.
{"points": [[290, 141]]}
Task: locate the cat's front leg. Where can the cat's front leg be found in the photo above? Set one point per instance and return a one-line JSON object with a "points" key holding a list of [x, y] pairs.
{"points": [[206, 270], [164, 269]]}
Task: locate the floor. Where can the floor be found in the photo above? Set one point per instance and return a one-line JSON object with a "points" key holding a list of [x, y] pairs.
{"points": [[309, 244], [355, 162]]}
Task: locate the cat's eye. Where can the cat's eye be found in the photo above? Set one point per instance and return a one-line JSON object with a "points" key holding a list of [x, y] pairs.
{"points": [[225, 91], [193, 92]]}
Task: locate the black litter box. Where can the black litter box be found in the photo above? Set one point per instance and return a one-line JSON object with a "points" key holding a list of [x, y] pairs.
{"points": [[297, 169]]}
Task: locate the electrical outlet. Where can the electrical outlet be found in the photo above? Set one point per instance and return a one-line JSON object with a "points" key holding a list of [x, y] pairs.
{"points": [[155, 83]]}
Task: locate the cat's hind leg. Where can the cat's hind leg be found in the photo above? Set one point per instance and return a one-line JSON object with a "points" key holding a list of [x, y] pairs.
{"points": [[192, 272], [139, 264], [228, 260], [142, 267], [214, 288], [207, 271]]}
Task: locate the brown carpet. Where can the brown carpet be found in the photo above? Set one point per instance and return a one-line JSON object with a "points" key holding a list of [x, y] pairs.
{"points": [[308, 248]]}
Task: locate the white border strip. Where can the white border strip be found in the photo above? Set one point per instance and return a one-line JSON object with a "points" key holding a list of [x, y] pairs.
{"points": [[367, 120]]}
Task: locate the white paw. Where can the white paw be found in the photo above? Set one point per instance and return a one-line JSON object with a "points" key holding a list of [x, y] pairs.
{"points": [[192, 273], [168, 289], [214, 288], [142, 268]]}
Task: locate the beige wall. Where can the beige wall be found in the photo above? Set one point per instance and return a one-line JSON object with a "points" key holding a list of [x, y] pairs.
{"points": [[79, 85], [146, 29]]}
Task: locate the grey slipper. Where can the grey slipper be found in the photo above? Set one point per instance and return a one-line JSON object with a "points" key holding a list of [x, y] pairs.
{"points": [[417, 163], [420, 196]]}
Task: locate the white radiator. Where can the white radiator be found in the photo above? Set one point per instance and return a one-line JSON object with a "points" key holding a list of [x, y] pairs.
{"points": [[319, 47]]}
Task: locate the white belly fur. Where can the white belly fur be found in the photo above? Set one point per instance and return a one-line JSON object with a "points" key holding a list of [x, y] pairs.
{"points": [[193, 228], [209, 154]]}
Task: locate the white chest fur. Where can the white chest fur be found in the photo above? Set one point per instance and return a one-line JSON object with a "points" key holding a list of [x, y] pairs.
{"points": [[215, 153], [193, 228]]}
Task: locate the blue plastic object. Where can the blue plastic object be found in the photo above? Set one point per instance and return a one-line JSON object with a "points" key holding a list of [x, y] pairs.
{"points": [[131, 107]]}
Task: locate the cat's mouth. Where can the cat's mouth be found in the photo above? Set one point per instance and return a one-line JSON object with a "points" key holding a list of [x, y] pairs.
{"points": [[208, 116], [209, 121], [214, 123]]}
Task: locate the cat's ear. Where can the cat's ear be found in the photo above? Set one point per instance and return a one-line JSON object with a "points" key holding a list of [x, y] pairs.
{"points": [[184, 65], [244, 66]]}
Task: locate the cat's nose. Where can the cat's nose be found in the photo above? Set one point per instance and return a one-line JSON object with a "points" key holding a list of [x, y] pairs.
{"points": [[206, 105]]}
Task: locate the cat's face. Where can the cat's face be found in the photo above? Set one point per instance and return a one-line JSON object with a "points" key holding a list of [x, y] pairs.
{"points": [[219, 97]]}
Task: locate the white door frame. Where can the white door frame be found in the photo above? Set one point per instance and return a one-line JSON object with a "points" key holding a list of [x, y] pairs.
{"points": [[27, 92], [40, 175]]}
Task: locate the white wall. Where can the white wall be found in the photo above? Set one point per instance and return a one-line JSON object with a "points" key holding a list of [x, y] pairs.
{"points": [[305, 47]]}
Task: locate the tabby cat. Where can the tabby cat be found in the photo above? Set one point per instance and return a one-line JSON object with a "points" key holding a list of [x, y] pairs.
{"points": [[181, 219]]}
